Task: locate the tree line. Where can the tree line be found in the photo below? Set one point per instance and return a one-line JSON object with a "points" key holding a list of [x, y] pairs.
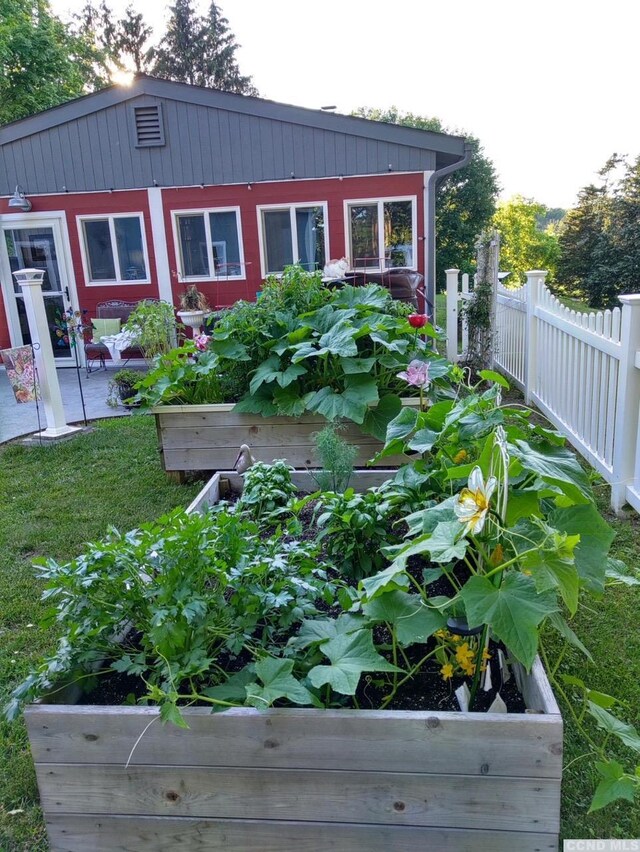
{"points": [[592, 253], [45, 61]]}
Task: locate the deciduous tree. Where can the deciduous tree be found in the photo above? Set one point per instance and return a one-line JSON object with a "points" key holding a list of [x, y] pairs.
{"points": [[523, 243], [465, 200], [42, 62]]}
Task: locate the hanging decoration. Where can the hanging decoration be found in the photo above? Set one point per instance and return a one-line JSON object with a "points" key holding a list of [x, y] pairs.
{"points": [[21, 372]]}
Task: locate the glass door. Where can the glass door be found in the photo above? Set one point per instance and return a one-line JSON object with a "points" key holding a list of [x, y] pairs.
{"points": [[35, 248]]}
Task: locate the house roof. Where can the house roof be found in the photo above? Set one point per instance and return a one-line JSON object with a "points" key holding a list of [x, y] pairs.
{"points": [[200, 125]]}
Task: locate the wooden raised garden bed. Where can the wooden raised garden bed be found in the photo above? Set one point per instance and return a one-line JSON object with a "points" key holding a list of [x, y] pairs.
{"points": [[208, 437], [300, 780]]}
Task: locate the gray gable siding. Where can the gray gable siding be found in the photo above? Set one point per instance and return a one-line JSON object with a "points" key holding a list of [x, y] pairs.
{"points": [[210, 137]]}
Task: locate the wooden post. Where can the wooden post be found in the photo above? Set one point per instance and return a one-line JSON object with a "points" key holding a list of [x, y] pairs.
{"points": [[626, 449], [453, 298], [30, 280], [535, 281]]}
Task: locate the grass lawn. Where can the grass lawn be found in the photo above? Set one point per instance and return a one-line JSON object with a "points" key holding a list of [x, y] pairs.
{"points": [[53, 499]]}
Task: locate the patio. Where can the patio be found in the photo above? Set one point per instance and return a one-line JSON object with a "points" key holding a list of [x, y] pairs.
{"points": [[17, 420]]}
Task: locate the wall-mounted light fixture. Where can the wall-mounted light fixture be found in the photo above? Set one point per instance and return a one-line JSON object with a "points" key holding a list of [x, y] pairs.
{"points": [[19, 200]]}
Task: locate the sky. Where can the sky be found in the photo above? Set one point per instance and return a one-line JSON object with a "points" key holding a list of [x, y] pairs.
{"points": [[551, 88]]}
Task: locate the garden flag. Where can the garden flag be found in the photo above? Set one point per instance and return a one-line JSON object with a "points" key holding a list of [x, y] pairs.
{"points": [[21, 373]]}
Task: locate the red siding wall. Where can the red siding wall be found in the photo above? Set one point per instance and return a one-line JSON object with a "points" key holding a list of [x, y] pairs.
{"points": [[134, 201], [333, 191]]}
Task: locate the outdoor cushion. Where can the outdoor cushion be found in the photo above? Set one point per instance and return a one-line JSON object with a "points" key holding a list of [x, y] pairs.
{"points": [[104, 327]]}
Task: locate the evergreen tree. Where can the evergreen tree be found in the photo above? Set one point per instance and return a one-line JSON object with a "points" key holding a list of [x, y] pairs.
{"points": [[465, 200], [130, 39], [175, 56], [200, 51], [600, 237], [218, 65], [118, 43]]}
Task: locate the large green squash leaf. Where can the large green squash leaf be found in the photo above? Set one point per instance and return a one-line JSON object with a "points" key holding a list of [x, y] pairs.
{"points": [[556, 465], [402, 425], [350, 655], [278, 682], [595, 539], [612, 725], [393, 577], [513, 611], [615, 784], [377, 418], [413, 620]]}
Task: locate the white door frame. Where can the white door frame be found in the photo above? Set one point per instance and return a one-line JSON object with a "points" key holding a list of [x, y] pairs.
{"points": [[57, 221]]}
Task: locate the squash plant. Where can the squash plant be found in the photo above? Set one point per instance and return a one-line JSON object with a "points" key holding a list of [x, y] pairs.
{"points": [[339, 359], [230, 609]]}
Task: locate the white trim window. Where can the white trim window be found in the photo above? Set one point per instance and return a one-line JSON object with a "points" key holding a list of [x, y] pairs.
{"points": [[382, 233], [208, 244], [114, 249], [293, 233]]}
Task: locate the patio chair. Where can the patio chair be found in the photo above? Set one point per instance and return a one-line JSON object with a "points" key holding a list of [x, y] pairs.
{"points": [[94, 350]]}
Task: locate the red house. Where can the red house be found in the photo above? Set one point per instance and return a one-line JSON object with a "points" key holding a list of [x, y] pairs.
{"points": [[135, 192]]}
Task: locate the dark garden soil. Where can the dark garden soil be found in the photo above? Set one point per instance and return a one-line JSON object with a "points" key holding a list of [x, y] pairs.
{"points": [[425, 691]]}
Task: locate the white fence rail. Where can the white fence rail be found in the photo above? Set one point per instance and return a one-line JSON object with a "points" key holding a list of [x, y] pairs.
{"points": [[582, 370]]}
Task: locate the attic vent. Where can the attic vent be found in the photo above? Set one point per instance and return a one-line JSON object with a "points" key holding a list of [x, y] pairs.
{"points": [[149, 129]]}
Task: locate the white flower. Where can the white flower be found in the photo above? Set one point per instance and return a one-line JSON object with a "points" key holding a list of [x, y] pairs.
{"points": [[473, 502]]}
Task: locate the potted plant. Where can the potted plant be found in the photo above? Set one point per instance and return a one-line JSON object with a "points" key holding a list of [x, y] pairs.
{"points": [[275, 371], [193, 308], [122, 388], [152, 326], [233, 610]]}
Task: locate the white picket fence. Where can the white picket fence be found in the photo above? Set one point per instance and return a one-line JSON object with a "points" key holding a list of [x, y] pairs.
{"points": [[582, 370]]}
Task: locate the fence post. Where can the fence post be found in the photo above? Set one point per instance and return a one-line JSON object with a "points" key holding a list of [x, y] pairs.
{"points": [[452, 314], [465, 300], [535, 282], [627, 427]]}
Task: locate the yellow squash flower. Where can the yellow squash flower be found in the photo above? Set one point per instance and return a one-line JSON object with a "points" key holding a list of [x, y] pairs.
{"points": [[447, 671], [473, 501]]}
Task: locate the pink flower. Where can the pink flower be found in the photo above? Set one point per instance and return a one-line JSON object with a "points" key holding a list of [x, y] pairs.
{"points": [[201, 341], [416, 374]]}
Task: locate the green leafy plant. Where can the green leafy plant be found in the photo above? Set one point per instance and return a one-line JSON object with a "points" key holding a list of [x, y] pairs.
{"points": [[354, 528], [303, 347], [336, 458], [234, 608], [122, 387], [153, 324], [267, 490], [167, 602]]}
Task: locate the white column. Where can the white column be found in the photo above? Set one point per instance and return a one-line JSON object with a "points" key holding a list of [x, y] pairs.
{"points": [[453, 299], [31, 282], [159, 236], [535, 281], [626, 448]]}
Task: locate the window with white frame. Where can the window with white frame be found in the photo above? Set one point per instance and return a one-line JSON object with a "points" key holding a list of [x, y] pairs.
{"points": [[114, 249], [292, 233], [209, 244], [382, 233]]}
